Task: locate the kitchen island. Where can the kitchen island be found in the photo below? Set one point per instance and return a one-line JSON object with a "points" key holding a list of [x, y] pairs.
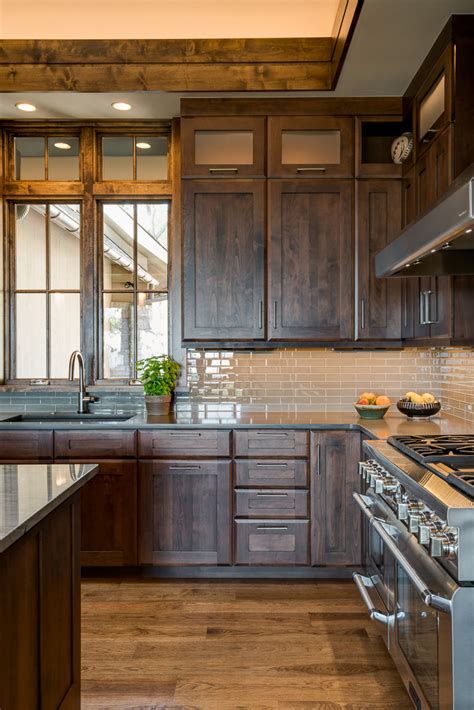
{"points": [[40, 584]]}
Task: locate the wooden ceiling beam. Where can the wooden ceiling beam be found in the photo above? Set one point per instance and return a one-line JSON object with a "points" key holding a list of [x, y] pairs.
{"points": [[287, 64]]}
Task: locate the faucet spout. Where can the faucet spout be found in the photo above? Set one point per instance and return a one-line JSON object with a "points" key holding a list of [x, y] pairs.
{"points": [[83, 398]]}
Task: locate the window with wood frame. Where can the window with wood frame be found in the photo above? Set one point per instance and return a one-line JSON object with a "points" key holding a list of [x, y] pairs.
{"points": [[87, 248]]}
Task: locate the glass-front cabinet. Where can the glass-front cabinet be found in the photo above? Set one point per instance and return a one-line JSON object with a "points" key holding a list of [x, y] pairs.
{"points": [[310, 146], [223, 147]]}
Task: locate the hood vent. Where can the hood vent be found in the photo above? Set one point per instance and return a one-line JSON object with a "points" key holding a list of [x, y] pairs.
{"points": [[440, 242]]}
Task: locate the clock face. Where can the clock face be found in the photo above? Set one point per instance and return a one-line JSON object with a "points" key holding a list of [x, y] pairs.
{"points": [[401, 148]]}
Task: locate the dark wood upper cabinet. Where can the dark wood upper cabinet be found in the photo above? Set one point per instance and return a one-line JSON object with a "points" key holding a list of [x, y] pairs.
{"points": [[310, 267], [434, 101], [310, 146], [185, 512], [223, 257], [109, 515], [336, 520], [378, 223], [373, 144], [225, 147]]}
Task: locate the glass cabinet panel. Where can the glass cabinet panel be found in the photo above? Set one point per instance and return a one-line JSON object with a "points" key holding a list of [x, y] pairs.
{"points": [[223, 147], [310, 147], [432, 106]]}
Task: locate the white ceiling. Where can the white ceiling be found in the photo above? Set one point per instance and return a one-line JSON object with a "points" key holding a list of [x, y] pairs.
{"points": [[390, 42]]}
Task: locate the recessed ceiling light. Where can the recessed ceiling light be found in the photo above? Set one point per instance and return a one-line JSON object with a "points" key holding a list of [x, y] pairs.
{"points": [[62, 146], [407, 265], [468, 231], [433, 251], [23, 106], [121, 106], [143, 146]]}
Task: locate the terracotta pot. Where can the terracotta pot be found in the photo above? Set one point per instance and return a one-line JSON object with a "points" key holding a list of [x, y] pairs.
{"points": [[158, 404]]}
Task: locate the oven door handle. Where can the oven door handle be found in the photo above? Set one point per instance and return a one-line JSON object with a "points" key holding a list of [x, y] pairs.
{"points": [[364, 584], [430, 599]]}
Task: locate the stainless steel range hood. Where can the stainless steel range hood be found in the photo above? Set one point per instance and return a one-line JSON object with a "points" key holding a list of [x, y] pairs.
{"points": [[439, 242]]}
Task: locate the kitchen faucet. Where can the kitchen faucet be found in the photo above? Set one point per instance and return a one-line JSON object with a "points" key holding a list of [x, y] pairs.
{"points": [[83, 399]]}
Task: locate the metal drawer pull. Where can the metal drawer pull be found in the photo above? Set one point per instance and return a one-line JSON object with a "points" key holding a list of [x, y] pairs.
{"points": [[260, 315], [362, 313], [430, 599], [272, 465], [184, 468], [310, 170], [275, 305], [273, 495], [363, 584], [318, 460], [185, 435], [272, 433], [275, 527], [223, 170]]}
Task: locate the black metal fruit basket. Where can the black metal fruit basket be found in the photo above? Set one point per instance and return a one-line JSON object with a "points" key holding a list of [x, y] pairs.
{"points": [[410, 409]]}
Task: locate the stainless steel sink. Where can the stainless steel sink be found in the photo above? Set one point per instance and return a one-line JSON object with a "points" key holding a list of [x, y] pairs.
{"points": [[67, 418]]}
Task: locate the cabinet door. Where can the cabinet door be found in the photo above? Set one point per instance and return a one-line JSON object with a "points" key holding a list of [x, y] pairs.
{"points": [[185, 512], [230, 146], [310, 146], [378, 223], [439, 308], [310, 261], [109, 516], [424, 184], [336, 521], [223, 259]]}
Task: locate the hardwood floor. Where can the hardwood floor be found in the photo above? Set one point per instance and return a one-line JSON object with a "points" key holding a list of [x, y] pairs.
{"points": [[242, 645]]}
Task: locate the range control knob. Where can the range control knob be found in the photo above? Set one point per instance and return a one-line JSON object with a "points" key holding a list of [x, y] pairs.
{"points": [[402, 510], [444, 543], [429, 524], [414, 521]]}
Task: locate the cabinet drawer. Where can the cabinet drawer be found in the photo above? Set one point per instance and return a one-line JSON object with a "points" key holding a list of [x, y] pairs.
{"points": [[271, 473], [87, 445], [267, 442], [26, 445], [183, 442], [260, 503], [271, 542]]}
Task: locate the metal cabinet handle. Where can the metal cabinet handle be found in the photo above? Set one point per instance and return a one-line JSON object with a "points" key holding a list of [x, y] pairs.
{"points": [[184, 468], [317, 470], [363, 584], [362, 313], [272, 433], [185, 435], [274, 527], [429, 320], [422, 308], [223, 170], [310, 170], [272, 465], [272, 495], [275, 306], [260, 315]]}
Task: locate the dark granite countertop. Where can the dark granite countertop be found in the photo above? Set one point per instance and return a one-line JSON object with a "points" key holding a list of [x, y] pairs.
{"points": [[29, 492], [232, 418]]}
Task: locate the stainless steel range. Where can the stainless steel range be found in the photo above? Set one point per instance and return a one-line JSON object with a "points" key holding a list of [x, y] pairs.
{"points": [[418, 503]]}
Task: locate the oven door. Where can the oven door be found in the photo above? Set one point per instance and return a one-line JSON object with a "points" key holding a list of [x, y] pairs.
{"points": [[421, 642], [377, 585]]}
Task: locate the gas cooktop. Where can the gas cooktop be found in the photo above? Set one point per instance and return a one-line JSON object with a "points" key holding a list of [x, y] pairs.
{"points": [[449, 456]]}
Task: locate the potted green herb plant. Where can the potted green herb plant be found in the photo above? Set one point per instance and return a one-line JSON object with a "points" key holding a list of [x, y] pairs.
{"points": [[159, 375]]}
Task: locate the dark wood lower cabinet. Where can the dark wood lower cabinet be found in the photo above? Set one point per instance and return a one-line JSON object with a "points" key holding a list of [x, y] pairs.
{"points": [[109, 516], [336, 521], [40, 615], [185, 512], [272, 542]]}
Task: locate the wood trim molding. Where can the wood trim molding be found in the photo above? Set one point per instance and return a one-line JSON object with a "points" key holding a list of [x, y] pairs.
{"points": [[388, 106], [283, 64]]}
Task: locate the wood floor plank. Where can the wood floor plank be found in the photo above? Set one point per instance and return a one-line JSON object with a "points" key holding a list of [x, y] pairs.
{"points": [[228, 645]]}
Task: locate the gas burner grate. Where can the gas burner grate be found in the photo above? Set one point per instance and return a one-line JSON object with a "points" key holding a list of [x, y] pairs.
{"points": [[435, 448]]}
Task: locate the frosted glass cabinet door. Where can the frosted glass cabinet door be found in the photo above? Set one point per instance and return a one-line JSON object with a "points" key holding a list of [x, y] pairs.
{"points": [[310, 146], [223, 146]]}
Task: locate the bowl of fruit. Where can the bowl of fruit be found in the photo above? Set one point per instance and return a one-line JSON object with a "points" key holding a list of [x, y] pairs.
{"points": [[372, 406], [418, 405]]}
